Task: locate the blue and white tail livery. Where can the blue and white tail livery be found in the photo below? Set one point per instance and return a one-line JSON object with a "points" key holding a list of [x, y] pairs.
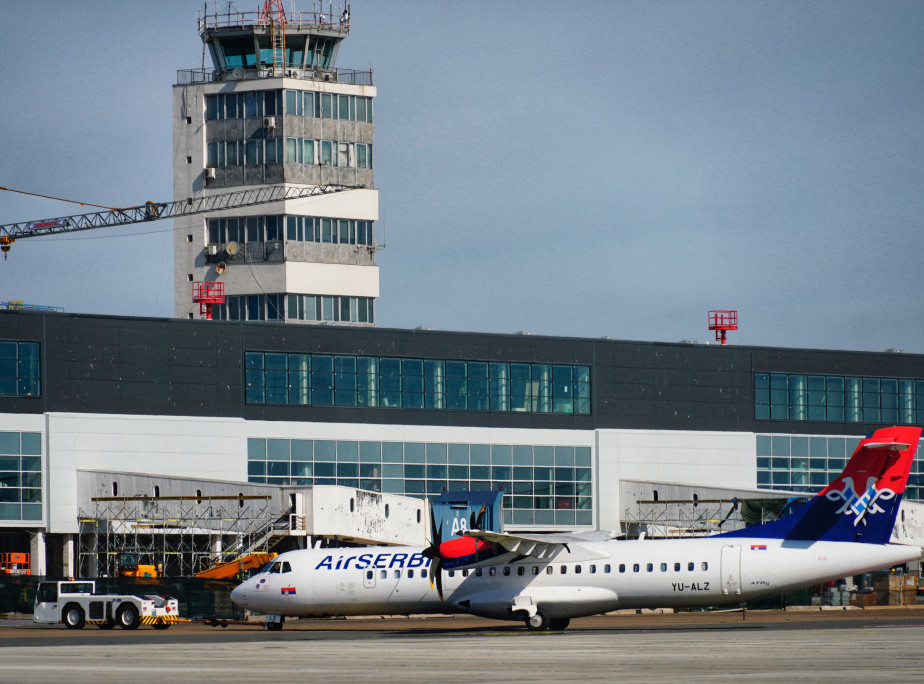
{"points": [[545, 580]]}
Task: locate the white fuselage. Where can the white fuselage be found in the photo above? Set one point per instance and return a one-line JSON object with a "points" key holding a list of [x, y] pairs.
{"points": [[584, 579]]}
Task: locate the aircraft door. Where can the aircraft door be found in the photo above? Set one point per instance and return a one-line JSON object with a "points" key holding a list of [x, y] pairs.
{"points": [[369, 578], [731, 569]]}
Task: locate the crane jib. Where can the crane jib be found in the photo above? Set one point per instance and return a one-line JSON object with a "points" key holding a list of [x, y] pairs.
{"points": [[152, 211]]}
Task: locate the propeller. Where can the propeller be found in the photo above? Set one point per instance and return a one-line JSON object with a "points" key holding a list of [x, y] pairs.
{"points": [[477, 522], [433, 553]]}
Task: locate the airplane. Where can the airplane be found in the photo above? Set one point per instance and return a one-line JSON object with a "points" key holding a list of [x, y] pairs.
{"points": [[546, 580]]}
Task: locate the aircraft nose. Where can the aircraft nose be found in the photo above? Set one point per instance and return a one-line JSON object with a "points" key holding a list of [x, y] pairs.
{"points": [[239, 595]]}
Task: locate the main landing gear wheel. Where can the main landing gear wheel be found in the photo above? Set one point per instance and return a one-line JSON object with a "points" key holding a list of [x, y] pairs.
{"points": [[127, 617], [537, 622], [73, 616], [559, 624]]}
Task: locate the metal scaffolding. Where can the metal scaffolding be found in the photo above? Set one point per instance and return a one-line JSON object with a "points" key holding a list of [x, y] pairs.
{"points": [[179, 535], [683, 517]]}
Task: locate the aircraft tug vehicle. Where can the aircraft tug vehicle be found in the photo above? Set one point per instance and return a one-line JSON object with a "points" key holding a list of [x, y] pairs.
{"points": [[76, 603]]}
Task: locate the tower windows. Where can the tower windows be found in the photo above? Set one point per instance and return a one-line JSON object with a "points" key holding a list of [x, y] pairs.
{"points": [[259, 103]]}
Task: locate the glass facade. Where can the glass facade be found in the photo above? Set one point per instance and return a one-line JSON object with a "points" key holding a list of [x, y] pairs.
{"points": [[543, 485], [20, 476], [369, 381], [808, 464], [826, 398], [20, 369]]}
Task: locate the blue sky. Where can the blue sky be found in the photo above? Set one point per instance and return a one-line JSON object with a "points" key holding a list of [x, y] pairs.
{"points": [[590, 169]]}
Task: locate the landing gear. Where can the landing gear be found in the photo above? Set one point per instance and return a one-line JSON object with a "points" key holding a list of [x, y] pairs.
{"points": [[274, 623], [559, 624], [537, 622]]}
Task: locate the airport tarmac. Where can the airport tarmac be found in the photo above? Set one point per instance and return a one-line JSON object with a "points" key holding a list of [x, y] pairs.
{"points": [[766, 646]]}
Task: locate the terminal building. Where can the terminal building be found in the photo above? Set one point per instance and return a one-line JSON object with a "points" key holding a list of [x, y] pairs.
{"points": [[566, 427], [209, 432]]}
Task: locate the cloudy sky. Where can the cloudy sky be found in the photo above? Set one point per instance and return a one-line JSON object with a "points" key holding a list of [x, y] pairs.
{"points": [[587, 168]]}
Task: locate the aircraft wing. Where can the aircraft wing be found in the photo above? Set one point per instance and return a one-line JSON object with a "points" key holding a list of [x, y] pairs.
{"points": [[536, 545]]}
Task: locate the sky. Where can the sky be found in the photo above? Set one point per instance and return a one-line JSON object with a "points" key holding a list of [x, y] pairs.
{"points": [[590, 169]]}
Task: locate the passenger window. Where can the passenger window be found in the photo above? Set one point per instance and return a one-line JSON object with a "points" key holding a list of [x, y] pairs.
{"points": [[635, 567], [676, 567], [383, 573], [577, 569], [397, 574], [506, 570], [410, 574], [663, 567], [492, 571], [465, 573], [369, 574], [649, 567], [452, 573], [548, 569], [564, 569], [690, 566], [622, 567], [521, 570], [423, 573], [593, 569], [705, 565], [478, 572], [535, 569], [607, 568]]}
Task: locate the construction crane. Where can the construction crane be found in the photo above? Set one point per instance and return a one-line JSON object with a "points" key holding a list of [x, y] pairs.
{"points": [[154, 211]]}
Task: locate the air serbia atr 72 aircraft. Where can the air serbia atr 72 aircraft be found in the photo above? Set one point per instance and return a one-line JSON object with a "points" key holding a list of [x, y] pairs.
{"points": [[545, 580]]}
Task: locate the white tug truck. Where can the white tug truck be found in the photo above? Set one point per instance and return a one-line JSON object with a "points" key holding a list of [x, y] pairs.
{"points": [[76, 603]]}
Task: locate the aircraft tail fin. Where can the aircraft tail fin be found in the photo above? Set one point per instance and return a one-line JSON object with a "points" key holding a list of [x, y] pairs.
{"points": [[860, 505]]}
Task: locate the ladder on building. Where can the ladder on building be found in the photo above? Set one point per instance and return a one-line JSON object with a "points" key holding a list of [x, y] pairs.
{"points": [[274, 15]]}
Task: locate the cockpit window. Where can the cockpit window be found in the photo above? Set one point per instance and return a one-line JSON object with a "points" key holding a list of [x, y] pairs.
{"points": [[286, 567]]}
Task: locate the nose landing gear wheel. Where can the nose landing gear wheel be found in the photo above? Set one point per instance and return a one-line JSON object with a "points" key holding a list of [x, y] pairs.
{"points": [[537, 622]]}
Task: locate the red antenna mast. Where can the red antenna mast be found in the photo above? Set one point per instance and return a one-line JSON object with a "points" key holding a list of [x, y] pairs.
{"points": [[274, 15], [271, 7], [206, 293], [722, 322]]}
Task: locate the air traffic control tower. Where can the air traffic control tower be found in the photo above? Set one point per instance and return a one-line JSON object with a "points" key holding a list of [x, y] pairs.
{"points": [[275, 111]]}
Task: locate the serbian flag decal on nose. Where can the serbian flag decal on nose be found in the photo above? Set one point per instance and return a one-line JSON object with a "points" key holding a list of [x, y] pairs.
{"points": [[287, 591]]}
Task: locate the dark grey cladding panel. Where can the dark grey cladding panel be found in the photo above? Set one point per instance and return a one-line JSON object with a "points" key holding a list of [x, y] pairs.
{"points": [[838, 363], [147, 392], [414, 343], [166, 366]]}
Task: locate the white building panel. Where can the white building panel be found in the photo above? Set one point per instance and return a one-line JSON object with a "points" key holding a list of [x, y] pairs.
{"points": [[167, 445], [716, 459]]}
